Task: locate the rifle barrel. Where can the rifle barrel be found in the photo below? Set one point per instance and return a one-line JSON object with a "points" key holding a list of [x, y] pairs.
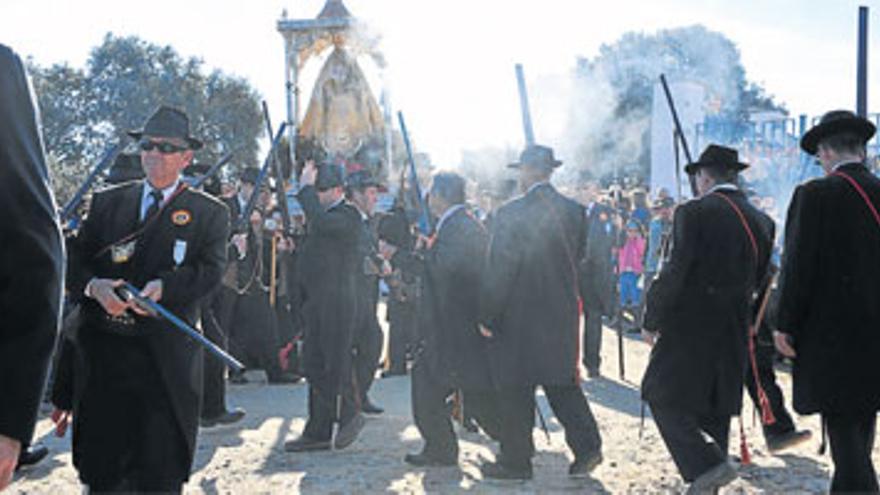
{"points": [[106, 161], [524, 105], [424, 216], [280, 190]]}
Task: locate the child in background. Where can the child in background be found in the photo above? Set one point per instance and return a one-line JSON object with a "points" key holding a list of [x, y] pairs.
{"points": [[630, 267]]}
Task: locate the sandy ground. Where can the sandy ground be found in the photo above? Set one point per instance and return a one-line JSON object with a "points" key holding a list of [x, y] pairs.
{"points": [[249, 458]]}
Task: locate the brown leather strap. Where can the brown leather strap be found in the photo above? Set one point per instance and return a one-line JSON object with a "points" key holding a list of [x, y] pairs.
{"points": [[149, 221]]}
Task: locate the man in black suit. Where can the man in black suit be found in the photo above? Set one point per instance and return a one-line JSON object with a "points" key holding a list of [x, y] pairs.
{"points": [[698, 315], [361, 190], [137, 392], [31, 263], [597, 282], [530, 306], [829, 288], [330, 263], [215, 314], [452, 354]]}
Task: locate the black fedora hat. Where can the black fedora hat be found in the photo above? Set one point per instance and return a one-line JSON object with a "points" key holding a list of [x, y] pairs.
{"points": [[361, 179], [537, 155], [717, 156], [330, 175], [168, 122], [837, 122]]}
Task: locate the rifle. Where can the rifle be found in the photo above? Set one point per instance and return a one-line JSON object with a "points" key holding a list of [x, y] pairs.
{"points": [[211, 171], [130, 292], [425, 226], [681, 136], [524, 105], [280, 191], [108, 158], [244, 219]]}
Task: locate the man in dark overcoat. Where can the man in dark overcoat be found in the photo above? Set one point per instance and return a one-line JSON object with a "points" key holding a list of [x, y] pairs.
{"points": [[330, 263], [698, 312], [31, 263], [452, 353], [136, 400], [597, 284], [829, 314], [530, 305]]}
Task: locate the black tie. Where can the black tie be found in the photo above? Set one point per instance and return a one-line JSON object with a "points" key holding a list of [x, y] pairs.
{"points": [[154, 206]]}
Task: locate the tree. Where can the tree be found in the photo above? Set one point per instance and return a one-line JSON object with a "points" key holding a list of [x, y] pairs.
{"points": [[85, 111], [610, 118]]}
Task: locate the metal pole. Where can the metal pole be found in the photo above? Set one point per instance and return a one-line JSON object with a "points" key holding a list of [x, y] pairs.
{"points": [[862, 69], [524, 105], [290, 63]]}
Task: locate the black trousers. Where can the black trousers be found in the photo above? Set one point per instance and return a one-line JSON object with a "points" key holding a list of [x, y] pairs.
{"points": [[368, 350], [401, 327], [331, 385], [767, 376], [592, 338], [216, 320], [126, 436], [682, 432], [432, 411], [851, 437], [517, 406]]}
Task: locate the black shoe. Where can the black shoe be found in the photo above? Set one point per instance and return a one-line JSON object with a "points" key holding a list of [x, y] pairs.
{"points": [[498, 471], [581, 468], [284, 378], [223, 419], [306, 444], [238, 379], [713, 479], [369, 408], [426, 460], [31, 456], [782, 441], [349, 432]]}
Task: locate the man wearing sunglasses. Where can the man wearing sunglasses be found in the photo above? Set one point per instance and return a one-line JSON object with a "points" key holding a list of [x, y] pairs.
{"points": [[135, 398]]}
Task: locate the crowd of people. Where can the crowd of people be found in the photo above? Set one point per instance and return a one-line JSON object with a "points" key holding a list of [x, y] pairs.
{"points": [[484, 306]]}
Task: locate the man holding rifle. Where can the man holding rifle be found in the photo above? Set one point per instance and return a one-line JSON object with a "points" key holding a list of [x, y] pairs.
{"points": [[136, 397], [698, 314], [330, 263]]}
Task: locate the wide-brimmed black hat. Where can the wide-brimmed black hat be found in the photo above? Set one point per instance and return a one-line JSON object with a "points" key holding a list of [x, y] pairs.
{"points": [[538, 156], [125, 168], [361, 179], [837, 122], [168, 122], [330, 175], [717, 156]]}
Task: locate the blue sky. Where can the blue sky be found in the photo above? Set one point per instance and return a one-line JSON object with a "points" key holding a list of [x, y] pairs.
{"points": [[451, 61]]}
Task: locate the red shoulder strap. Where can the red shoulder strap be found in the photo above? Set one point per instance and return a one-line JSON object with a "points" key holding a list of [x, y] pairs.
{"points": [[861, 192], [745, 224]]}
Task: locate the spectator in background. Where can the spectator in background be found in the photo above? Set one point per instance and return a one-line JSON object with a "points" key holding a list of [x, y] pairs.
{"points": [[658, 231], [630, 266]]}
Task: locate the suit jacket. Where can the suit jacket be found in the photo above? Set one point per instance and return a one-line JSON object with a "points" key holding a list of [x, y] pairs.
{"points": [[453, 348], [329, 263], [597, 276], [31, 255], [185, 247], [701, 303], [829, 293], [530, 290]]}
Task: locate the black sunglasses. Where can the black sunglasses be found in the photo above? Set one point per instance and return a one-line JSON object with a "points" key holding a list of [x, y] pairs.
{"points": [[164, 147]]}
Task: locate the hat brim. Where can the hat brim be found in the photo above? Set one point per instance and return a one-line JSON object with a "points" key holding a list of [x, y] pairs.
{"points": [[551, 165], [193, 143], [857, 125], [691, 168]]}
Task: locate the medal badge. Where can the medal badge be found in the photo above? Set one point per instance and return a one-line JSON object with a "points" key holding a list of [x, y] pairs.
{"points": [[122, 253], [181, 217], [179, 251]]}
